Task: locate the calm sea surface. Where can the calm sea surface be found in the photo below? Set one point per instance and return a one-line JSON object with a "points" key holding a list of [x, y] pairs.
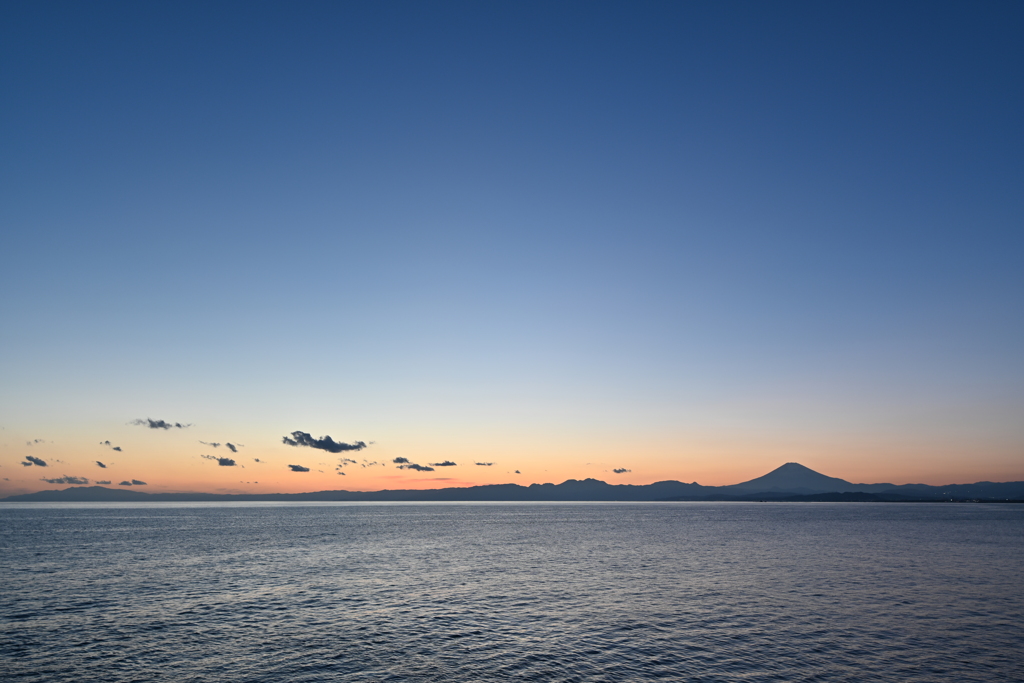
{"points": [[552, 592]]}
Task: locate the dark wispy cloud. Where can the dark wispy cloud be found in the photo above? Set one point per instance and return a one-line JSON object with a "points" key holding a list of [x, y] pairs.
{"points": [[485, 464], [159, 424], [33, 460], [325, 443], [621, 470], [414, 466], [105, 481], [233, 447], [110, 446], [222, 462], [257, 460], [299, 468], [34, 441], [66, 480], [404, 464], [101, 464], [343, 462], [446, 463], [133, 482], [518, 472]]}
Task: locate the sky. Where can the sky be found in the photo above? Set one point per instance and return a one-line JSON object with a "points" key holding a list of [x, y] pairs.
{"points": [[687, 241]]}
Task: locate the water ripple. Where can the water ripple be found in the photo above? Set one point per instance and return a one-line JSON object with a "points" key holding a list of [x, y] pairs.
{"points": [[710, 592]]}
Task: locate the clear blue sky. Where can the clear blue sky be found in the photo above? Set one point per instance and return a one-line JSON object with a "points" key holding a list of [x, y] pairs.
{"points": [[692, 240]]}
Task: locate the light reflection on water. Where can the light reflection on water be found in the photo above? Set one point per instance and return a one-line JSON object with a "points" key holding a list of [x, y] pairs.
{"points": [[547, 592]]}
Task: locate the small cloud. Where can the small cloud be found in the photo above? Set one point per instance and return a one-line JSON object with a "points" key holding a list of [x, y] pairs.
{"points": [[105, 481], [212, 444], [136, 482], [257, 460], [325, 443], [485, 464], [222, 462], [32, 460], [125, 483], [34, 441], [299, 468], [232, 447], [101, 464], [414, 466], [66, 480], [159, 424], [446, 463], [342, 462], [110, 446], [341, 473], [404, 464], [621, 470], [518, 472]]}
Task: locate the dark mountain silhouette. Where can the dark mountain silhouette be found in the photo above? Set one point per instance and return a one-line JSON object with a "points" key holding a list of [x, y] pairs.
{"points": [[84, 494], [794, 478], [791, 482], [571, 490]]}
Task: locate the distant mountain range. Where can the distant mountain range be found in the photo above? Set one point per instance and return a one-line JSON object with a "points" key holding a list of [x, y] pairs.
{"points": [[791, 482]]}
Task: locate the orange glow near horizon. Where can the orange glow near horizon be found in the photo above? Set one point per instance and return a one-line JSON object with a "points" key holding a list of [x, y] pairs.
{"points": [[173, 462]]}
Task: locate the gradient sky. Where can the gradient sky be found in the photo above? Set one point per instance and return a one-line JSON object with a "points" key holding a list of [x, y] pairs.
{"points": [[690, 240]]}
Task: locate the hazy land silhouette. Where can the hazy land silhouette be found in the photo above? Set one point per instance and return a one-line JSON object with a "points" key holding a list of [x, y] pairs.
{"points": [[791, 482]]}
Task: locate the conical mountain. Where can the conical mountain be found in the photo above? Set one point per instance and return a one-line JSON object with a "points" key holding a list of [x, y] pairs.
{"points": [[794, 478]]}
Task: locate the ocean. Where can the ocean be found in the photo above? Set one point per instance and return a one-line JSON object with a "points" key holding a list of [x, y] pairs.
{"points": [[524, 592]]}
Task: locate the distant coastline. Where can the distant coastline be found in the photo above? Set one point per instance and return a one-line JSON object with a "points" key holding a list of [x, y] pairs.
{"points": [[791, 482]]}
